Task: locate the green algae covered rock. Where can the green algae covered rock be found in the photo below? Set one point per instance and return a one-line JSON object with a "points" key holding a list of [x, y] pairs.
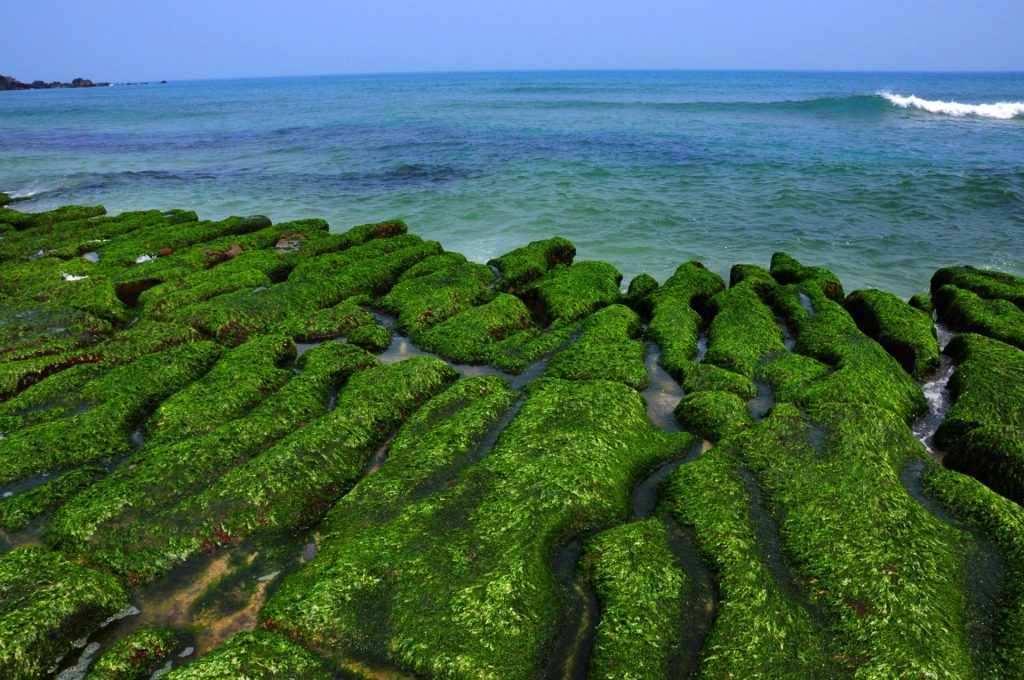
{"points": [[19, 510], [641, 587], [568, 294], [983, 433], [104, 429], [522, 265], [1001, 522], [21, 220], [136, 656], [474, 596], [675, 317], [427, 522], [161, 476], [967, 311], [712, 415], [46, 603], [638, 295], [986, 283], [256, 656], [906, 333], [607, 349]]}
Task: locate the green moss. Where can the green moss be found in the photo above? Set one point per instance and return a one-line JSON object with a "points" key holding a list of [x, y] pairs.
{"points": [[713, 415], [922, 301], [607, 349], [744, 331], [473, 595], [862, 371], [343, 319], [254, 656], [1002, 522], [435, 289], [790, 374], [986, 283], [968, 312], [787, 270], [314, 284], [986, 387], [162, 476], [136, 656], [522, 265], [46, 603], [638, 295], [290, 484], [240, 379], [984, 430], [641, 588], [19, 510], [675, 318], [759, 630], [20, 220], [906, 333], [103, 430], [476, 334], [703, 377], [568, 294]]}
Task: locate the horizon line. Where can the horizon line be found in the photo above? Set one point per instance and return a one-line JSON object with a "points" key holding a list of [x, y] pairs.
{"points": [[359, 74]]}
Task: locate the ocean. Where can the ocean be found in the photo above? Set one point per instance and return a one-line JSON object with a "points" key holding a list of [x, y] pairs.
{"points": [[882, 177]]}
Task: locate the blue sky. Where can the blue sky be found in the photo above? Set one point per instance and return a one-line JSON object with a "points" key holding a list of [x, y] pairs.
{"points": [[182, 39]]}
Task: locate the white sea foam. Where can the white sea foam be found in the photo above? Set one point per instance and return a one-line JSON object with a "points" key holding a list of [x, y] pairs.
{"points": [[1000, 110]]}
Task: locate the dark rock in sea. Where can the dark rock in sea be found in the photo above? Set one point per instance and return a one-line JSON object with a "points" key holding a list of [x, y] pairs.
{"points": [[12, 83]]}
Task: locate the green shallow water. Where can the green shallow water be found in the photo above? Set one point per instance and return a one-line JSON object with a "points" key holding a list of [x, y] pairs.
{"points": [[641, 169]]}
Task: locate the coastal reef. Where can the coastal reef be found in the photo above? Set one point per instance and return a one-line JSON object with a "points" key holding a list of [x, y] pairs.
{"points": [[233, 448]]}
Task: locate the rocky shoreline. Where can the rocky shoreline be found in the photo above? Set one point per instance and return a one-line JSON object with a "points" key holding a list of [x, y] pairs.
{"points": [[12, 83], [242, 448]]}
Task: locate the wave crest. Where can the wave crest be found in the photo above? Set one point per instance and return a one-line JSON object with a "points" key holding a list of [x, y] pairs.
{"points": [[1000, 110]]}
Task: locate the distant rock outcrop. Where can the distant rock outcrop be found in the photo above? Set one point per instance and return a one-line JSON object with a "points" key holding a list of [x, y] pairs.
{"points": [[12, 83]]}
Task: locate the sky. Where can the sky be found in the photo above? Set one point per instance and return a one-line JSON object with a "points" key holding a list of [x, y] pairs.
{"points": [[194, 39]]}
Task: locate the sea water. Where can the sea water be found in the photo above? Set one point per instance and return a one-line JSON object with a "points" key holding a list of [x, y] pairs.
{"points": [[882, 177]]}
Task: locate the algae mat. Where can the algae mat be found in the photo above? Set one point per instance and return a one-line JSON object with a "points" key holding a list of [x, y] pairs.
{"points": [[245, 449]]}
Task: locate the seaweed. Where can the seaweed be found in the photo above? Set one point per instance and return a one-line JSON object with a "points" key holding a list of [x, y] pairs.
{"points": [[712, 415], [19, 510], [165, 474], [1002, 522], [46, 604], [459, 583], [522, 265], [435, 289], [254, 655], [968, 312], [288, 485], [676, 315], [983, 432], [103, 430], [641, 588], [568, 294], [607, 349], [986, 283], [906, 333], [241, 378], [136, 656]]}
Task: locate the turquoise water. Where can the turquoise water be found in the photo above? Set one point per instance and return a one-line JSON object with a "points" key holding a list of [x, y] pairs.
{"points": [[642, 169]]}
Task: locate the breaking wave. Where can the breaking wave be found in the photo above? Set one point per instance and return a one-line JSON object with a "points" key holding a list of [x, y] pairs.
{"points": [[1000, 110]]}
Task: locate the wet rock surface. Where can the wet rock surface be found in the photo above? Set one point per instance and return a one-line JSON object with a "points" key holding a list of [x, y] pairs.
{"points": [[236, 448]]}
